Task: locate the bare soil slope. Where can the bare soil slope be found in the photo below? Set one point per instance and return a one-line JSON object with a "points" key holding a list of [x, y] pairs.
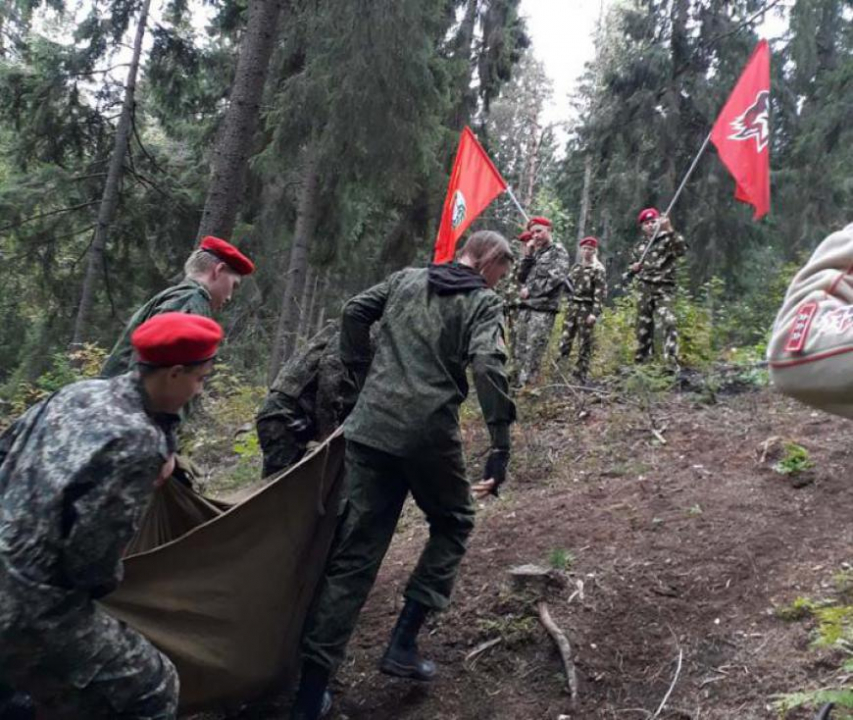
{"points": [[682, 548]]}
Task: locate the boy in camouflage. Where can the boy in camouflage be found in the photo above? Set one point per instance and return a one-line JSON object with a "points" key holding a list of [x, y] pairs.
{"points": [[656, 276], [543, 275], [212, 273], [306, 402], [403, 436], [590, 288], [76, 472]]}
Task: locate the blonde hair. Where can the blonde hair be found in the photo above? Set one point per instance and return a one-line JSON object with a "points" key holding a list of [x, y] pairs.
{"points": [[485, 248]]}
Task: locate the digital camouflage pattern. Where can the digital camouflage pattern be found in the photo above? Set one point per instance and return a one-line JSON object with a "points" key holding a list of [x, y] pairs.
{"points": [[656, 281], [507, 290], [379, 484], [190, 296], [590, 290], [545, 276], [403, 436], [306, 402], [661, 262], [417, 380], [76, 472]]}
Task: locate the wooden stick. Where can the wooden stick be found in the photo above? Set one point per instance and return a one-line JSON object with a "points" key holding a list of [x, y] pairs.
{"points": [[669, 692], [481, 648], [563, 646]]}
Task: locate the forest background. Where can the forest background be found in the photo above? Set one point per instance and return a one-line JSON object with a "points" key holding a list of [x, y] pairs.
{"points": [[318, 137]]}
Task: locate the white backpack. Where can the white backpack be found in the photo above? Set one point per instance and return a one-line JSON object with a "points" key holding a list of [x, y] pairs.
{"points": [[811, 349]]}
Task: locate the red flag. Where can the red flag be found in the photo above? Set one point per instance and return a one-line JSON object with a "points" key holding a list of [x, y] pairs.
{"points": [[474, 183], [742, 132]]}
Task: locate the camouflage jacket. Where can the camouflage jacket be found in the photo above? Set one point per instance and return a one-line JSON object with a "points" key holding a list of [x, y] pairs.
{"points": [[76, 472], [189, 296], [544, 274], [435, 323], [659, 264], [590, 286], [309, 385]]}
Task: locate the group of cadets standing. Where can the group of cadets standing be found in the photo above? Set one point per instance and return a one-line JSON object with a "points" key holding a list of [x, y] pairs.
{"points": [[532, 295], [77, 470]]}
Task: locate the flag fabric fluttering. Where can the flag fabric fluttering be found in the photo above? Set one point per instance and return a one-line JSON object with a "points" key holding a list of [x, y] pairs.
{"points": [[474, 183], [741, 133]]}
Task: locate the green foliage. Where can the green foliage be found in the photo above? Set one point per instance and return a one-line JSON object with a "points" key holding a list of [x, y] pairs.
{"points": [[247, 445], [795, 460], [514, 629], [799, 609], [65, 368], [842, 697], [833, 629], [614, 335], [561, 559]]}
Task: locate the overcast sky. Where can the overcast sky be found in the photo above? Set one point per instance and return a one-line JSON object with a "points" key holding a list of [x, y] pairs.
{"points": [[563, 33]]}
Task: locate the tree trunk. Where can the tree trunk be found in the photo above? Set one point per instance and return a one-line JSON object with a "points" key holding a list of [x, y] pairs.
{"points": [[462, 45], [321, 301], [311, 278], [110, 197], [584, 212], [230, 158], [306, 220]]}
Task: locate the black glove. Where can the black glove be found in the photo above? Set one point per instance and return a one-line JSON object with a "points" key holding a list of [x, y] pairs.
{"points": [[495, 469]]}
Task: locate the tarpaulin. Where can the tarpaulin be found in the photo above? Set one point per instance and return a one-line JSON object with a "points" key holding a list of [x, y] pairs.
{"points": [[227, 597]]}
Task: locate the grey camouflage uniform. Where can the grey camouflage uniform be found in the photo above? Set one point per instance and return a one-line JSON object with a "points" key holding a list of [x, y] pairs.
{"points": [[545, 275], [590, 289], [656, 281], [305, 402], [76, 472]]}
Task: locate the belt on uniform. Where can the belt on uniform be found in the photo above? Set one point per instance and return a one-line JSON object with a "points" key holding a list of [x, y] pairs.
{"points": [[552, 311]]}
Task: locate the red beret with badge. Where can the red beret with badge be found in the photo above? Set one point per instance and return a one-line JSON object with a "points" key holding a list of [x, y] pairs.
{"points": [[647, 214], [176, 338], [589, 242], [228, 254], [539, 220]]}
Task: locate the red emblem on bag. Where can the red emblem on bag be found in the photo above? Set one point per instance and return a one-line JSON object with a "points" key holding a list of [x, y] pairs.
{"points": [[800, 327]]}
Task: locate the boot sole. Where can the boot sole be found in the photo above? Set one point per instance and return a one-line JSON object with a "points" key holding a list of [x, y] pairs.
{"points": [[395, 669]]}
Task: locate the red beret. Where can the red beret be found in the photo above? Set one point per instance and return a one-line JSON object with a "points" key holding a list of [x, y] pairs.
{"points": [[228, 254], [539, 220], [176, 338], [589, 242], [647, 214], [525, 236]]}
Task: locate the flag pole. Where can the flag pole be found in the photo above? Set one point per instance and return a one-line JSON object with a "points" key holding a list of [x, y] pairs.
{"points": [[518, 204], [676, 196]]}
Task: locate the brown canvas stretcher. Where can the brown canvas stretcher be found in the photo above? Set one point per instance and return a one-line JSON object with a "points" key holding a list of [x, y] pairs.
{"points": [[224, 591]]}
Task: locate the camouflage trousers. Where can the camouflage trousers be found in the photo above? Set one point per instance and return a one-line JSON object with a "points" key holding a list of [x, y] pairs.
{"points": [[656, 300], [378, 486], [575, 325], [77, 661], [532, 333]]}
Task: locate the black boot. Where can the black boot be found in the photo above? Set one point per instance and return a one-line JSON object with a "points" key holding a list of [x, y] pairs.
{"points": [[402, 659], [313, 700], [825, 712]]}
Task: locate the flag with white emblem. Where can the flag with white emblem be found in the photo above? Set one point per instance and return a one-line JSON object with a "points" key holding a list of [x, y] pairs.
{"points": [[742, 132]]}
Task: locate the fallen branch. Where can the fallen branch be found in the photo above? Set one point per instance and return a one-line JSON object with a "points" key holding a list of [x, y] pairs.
{"points": [[563, 646], [660, 438], [671, 687], [481, 648]]}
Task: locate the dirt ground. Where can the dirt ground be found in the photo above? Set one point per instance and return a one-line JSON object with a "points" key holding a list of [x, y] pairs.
{"points": [[674, 550]]}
